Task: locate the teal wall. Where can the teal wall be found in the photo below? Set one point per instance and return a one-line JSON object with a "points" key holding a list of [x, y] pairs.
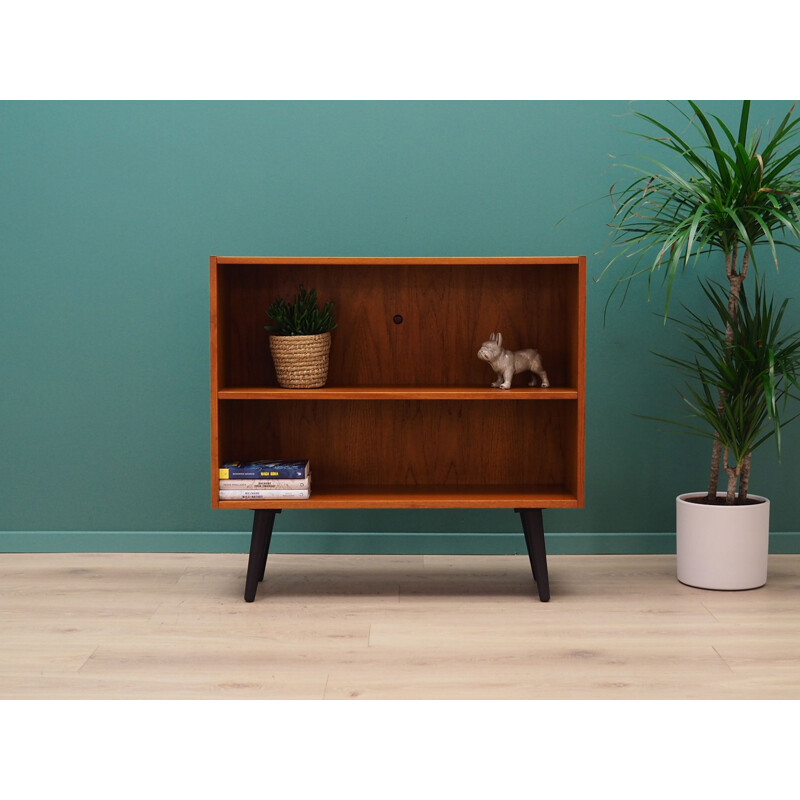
{"points": [[111, 209]]}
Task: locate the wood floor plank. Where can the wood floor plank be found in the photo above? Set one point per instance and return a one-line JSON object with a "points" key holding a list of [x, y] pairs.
{"points": [[285, 685]]}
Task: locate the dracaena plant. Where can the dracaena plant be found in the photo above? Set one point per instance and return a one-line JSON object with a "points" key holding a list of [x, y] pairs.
{"points": [[302, 317], [729, 195], [740, 377]]}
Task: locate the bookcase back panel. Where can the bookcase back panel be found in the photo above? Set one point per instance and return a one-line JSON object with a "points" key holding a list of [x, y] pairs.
{"points": [[408, 324], [406, 442]]}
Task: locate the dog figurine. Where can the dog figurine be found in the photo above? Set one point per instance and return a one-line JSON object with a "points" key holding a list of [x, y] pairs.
{"points": [[507, 363]]}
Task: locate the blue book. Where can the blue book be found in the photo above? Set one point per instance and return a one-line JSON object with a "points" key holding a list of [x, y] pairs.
{"points": [[232, 470]]}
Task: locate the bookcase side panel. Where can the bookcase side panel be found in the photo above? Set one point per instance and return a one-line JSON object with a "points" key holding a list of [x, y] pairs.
{"points": [[578, 436], [217, 327]]}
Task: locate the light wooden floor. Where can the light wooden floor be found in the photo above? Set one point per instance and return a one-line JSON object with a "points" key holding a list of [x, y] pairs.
{"points": [[176, 626]]}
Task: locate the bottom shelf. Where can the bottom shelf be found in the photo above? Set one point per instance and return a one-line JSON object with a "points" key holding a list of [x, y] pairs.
{"points": [[377, 496]]}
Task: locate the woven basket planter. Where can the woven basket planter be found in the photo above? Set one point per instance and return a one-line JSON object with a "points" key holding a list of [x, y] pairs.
{"points": [[301, 362]]}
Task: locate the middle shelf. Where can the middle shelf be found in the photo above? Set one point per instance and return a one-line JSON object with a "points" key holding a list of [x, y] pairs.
{"points": [[522, 393]]}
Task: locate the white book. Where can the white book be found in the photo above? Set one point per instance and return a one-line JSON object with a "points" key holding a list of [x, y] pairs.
{"points": [[267, 483], [264, 494]]}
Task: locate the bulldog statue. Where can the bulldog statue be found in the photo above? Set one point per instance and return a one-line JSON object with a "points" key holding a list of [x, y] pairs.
{"points": [[507, 363]]}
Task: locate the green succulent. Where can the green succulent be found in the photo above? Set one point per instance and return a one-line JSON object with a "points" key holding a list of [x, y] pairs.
{"points": [[302, 317]]}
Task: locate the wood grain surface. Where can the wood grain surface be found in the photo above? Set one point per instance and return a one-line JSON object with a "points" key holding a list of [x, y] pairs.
{"points": [[382, 627]]}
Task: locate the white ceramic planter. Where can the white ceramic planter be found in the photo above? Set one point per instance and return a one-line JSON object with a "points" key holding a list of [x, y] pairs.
{"points": [[722, 547]]}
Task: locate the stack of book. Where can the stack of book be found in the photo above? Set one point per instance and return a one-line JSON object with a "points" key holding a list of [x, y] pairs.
{"points": [[265, 480]]}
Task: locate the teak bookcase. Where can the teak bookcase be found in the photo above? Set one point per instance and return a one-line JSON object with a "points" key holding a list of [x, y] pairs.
{"points": [[408, 418]]}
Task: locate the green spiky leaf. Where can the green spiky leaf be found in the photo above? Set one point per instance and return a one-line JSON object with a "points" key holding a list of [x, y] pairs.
{"points": [[732, 192], [302, 317]]}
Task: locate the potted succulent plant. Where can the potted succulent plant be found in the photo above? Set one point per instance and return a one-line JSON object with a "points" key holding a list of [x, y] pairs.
{"points": [[300, 340], [738, 192]]}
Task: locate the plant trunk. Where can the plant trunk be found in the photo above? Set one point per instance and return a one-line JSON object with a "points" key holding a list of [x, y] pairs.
{"points": [[733, 305], [716, 453], [744, 478], [733, 476], [735, 279], [730, 497], [713, 480]]}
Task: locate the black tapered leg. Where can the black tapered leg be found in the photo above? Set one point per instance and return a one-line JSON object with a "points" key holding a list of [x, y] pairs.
{"points": [[263, 520], [267, 542], [533, 529]]}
